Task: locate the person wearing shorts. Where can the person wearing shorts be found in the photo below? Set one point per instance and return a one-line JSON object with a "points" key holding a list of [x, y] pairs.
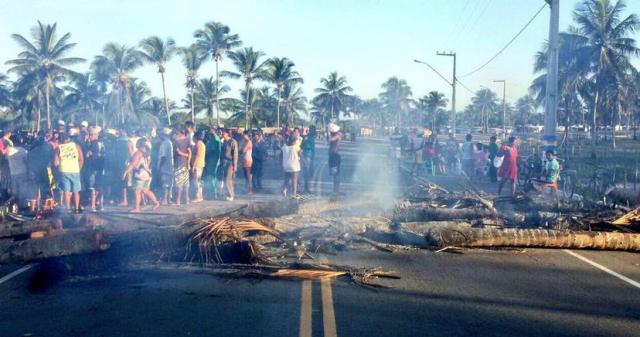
{"points": [[140, 170], [69, 160]]}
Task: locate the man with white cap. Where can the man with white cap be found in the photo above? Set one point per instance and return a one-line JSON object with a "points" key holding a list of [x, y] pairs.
{"points": [[93, 149]]}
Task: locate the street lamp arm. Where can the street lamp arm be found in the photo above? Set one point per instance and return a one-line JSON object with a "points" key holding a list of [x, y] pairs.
{"points": [[434, 70]]}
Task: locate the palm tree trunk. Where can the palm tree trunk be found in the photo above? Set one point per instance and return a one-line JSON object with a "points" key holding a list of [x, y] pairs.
{"points": [[38, 119], [193, 111], [594, 133], [217, 101], [166, 100], [278, 109], [48, 100], [247, 108]]}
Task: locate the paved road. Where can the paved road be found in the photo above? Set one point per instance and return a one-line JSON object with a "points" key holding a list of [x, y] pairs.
{"points": [[475, 293]]}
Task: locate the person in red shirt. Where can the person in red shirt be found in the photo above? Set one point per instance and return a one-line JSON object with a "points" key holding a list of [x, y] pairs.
{"points": [[509, 168]]}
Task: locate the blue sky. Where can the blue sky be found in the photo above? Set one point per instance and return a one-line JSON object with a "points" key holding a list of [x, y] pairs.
{"points": [[367, 41]]}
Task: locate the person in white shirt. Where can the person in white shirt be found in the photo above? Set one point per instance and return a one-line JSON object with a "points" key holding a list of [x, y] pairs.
{"points": [[291, 165], [17, 159]]}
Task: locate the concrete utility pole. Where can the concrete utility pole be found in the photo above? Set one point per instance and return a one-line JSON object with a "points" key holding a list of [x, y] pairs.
{"points": [[453, 94], [504, 106], [551, 93]]}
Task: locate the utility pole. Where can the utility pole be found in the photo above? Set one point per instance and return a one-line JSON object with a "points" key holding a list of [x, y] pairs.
{"points": [[453, 94], [504, 106], [551, 92]]}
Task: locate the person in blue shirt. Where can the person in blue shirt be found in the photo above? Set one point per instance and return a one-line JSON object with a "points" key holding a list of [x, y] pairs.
{"points": [[308, 157]]}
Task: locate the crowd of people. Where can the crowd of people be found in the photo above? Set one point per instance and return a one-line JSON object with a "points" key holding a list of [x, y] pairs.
{"points": [[497, 162], [87, 167]]}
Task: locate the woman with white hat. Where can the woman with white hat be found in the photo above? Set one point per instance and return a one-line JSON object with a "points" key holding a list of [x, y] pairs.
{"points": [[334, 155]]}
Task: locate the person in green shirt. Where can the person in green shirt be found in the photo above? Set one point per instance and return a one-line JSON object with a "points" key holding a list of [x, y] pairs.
{"points": [[552, 169], [493, 151], [212, 163]]}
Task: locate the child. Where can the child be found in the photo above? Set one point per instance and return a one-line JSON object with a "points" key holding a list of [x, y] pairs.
{"points": [[479, 159]]}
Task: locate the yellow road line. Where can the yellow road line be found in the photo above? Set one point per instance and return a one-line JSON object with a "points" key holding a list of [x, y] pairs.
{"points": [[305, 310], [328, 313]]}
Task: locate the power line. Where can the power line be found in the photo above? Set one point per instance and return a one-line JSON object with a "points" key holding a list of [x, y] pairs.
{"points": [[508, 43], [465, 87], [463, 27]]}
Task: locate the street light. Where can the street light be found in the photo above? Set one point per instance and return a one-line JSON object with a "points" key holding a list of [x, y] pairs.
{"points": [[504, 106]]}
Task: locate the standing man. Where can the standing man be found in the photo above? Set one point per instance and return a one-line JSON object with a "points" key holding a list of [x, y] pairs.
{"points": [[493, 152], [165, 165], [212, 163], [467, 156], [259, 157], [39, 159], [93, 150], [229, 156], [309, 153], [197, 165], [509, 169], [17, 161], [334, 155], [69, 160]]}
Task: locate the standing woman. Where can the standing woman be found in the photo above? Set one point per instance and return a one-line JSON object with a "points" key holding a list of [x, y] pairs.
{"points": [[509, 168], [140, 167], [290, 166], [334, 155], [247, 160]]}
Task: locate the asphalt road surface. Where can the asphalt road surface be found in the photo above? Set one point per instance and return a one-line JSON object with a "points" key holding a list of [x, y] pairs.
{"points": [[472, 293]]}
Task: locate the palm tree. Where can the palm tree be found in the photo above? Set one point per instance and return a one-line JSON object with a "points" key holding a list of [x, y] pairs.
{"points": [[373, 111], [432, 103], [608, 46], [155, 50], [192, 60], [249, 67], [5, 91], [396, 98], [28, 97], [115, 65], [281, 73], [574, 81], [46, 56], [294, 102], [206, 96], [83, 96], [216, 40], [147, 109], [332, 95], [486, 102], [525, 107], [265, 104]]}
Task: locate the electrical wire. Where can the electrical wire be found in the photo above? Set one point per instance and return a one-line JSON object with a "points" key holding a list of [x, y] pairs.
{"points": [[508, 43], [464, 86]]}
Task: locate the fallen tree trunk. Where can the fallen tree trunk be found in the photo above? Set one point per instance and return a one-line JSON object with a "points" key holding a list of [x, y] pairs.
{"points": [[68, 243], [462, 236], [409, 214], [18, 228]]}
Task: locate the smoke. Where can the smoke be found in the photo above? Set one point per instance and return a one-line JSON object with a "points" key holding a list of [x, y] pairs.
{"points": [[376, 169]]}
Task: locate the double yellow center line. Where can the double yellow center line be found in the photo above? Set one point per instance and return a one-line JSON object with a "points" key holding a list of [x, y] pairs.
{"points": [[328, 312]]}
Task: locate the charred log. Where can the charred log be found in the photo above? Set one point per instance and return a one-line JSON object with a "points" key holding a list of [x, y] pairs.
{"points": [[68, 243]]}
